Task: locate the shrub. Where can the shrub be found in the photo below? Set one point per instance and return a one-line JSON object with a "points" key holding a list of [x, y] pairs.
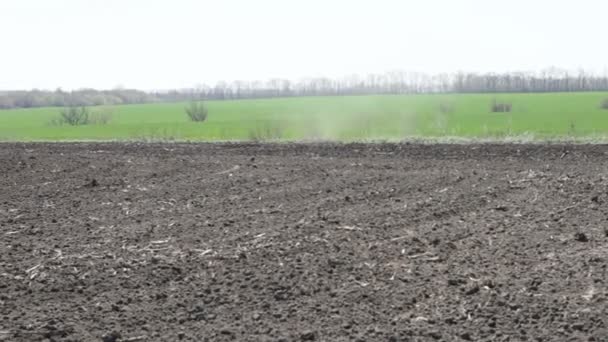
{"points": [[501, 107], [443, 116], [55, 122], [78, 116], [267, 131], [446, 108], [74, 116], [604, 104], [197, 111], [572, 128], [101, 117], [159, 134]]}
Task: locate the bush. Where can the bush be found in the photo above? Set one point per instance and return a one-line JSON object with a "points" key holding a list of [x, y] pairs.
{"points": [[101, 117], [446, 108], [604, 104], [443, 116], [74, 116], [267, 131], [197, 111], [501, 107], [79, 116]]}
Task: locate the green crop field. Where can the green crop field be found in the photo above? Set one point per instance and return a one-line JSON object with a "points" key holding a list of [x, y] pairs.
{"points": [[537, 116]]}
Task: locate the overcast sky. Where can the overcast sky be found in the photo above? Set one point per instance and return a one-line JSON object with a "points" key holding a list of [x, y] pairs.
{"points": [[161, 44]]}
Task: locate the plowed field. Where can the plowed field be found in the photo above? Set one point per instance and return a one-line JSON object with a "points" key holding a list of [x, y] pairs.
{"points": [[303, 242]]}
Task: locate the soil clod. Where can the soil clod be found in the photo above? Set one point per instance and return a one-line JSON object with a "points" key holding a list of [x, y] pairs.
{"points": [[92, 183], [581, 237], [111, 337], [308, 335]]}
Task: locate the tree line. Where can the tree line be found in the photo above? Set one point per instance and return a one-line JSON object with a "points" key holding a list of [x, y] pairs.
{"points": [[398, 82], [77, 98]]}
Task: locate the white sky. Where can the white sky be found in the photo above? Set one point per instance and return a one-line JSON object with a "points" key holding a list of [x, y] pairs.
{"points": [[161, 44]]}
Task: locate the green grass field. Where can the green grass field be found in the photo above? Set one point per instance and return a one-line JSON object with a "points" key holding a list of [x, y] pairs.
{"points": [[538, 116]]}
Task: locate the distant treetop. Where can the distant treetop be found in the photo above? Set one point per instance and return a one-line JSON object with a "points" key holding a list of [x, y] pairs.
{"points": [[550, 80]]}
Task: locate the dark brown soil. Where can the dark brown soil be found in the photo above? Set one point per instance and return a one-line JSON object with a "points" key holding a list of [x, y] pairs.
{"points": [[246, 242]]}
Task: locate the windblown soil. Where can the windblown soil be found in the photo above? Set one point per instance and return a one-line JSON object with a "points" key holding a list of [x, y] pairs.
{"points": [[303, 242]]}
